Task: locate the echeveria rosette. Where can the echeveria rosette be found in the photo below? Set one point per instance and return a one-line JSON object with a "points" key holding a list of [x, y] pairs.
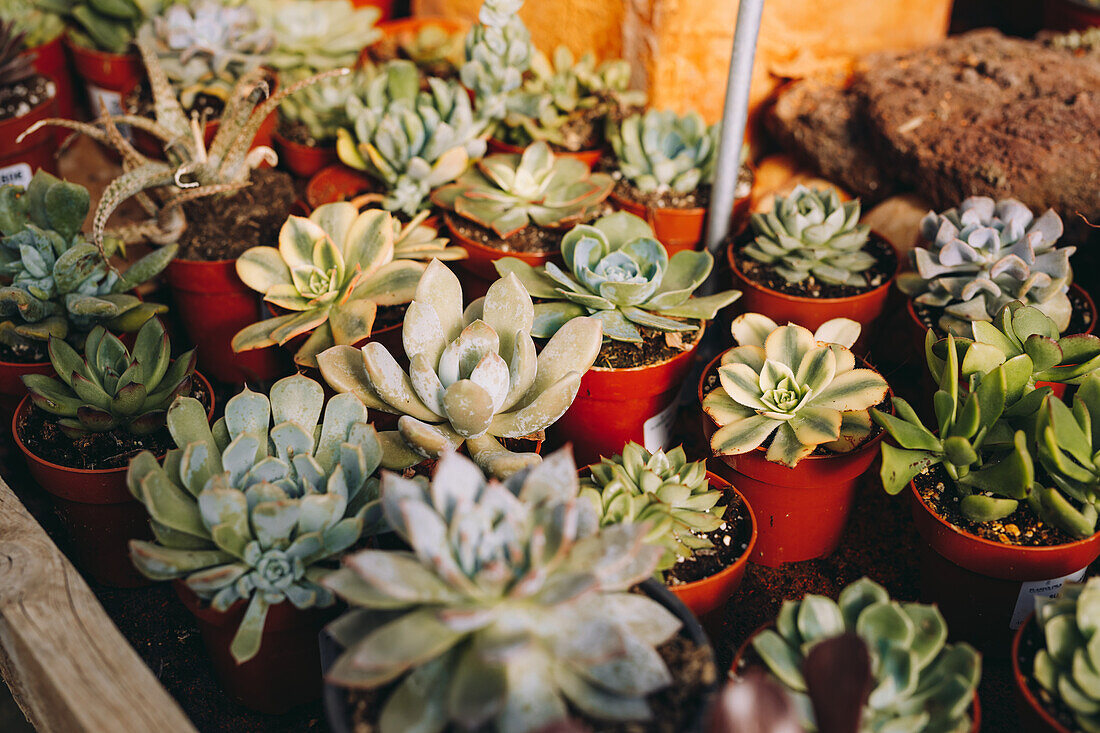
{"points": [[618, 273], [315, 35], [251, 508], [322, 108], [1069, 655], [511, 610], [331, 271], [796, 391], [660, 151], [473, 375], [920, 684], [985, 254], [507, 192]]}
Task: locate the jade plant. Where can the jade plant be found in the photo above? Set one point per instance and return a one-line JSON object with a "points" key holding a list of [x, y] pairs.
{"points": [[920, 684], [109, 387], [507, 612], [1065, 664], [617, 272], [795, 391], [985, 254], [254, 508], [473, 376], [811, 234], [315, 35], [331, 271], [410, 141], [109, 25], [57, 283], [321, 109], [662, 490], [507, 192], [662, 152]]}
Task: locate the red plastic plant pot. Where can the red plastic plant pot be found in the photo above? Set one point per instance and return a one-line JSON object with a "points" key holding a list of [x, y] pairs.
{"points": [[802, 510], [107, 76], [50, 60], [97, 510], [304, 161], [985, 589], [213, 305], [1069, 15], [588, 157], [285, 673], [677, 229], [1034, 718], [336, 183], [384, 6], [12, 389], [616, 406], [19, 161], [711, 593], [480, 271]]}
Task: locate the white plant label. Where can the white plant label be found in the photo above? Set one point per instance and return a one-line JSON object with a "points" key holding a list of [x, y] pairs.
{"points": [[657, 430], [18, 175], [104, 101], [1025, 602]]}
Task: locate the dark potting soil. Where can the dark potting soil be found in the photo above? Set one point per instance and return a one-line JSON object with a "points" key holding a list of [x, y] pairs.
{"points": [[1031, 641], [140, 99], [298, 132], [222, 227], [697, 199], [675, 708], [1022, 527], [886, 263], [113, 449], [529, 239], [389, 315], [30, 353], [19, 99], [583, 130], [1079, 320], [656, 347], [730, 542]]}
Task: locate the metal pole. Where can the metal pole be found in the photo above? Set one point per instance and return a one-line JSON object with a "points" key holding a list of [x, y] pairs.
{"points": [[734, 117]]}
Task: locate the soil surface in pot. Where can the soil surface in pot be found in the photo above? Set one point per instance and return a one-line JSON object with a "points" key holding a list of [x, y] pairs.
{"points": [[656, 347], [696, 199], [1031, 641], [389, 315], [222, 227], [730, 542], [388, 48], [298, 132], [1079, 321], [29, 353], [94, 451], [19, 99], [582, 130], [209, 107], [1022, 527], [886, 263], [675, 708], [529, 239]]}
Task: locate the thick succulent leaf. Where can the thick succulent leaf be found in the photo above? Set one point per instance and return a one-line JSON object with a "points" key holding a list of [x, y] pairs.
{"points": [[344, 370], [262, 268], [534, 281], [392, 384]]}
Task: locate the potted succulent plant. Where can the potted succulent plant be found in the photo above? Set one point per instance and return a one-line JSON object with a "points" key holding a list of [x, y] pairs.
{"points": [[1004, 487], [664, 169], [434, 43], [249, 515], [309, 123], [337, 277], [618, 273], [514, 611], [704, 525], [57, 284], [78, 431], [44, 46], [26, 96], [518, 206], [1053, 657], [786, 411], [473, 376], [904, 675], [812, 261]]}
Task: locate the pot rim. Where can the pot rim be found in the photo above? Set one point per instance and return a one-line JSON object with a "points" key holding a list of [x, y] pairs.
{"points": [[322, 176], [685, 354], [30, 455], [874, 292], [38, 109], [510, 149], [653, 210], [1020, 679], [297, 147], [55, 41], [95, 52], [1074, 287]]}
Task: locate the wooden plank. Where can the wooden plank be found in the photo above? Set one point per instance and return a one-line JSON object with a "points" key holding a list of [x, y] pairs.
{"points": [[67, 665]]}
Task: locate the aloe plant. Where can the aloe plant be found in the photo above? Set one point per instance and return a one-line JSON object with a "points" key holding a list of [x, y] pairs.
{"points": [[920, 683], [473, 376], [255, 508], [508, 609], [660, 151], [619, 273], [1064, 663]]}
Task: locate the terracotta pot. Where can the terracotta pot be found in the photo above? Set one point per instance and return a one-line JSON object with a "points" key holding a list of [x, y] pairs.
{"points": [[986, 589], [50, 60], [337, 183], [12, 389], [285, 673], [745, 652], [480, 272], [214, 305], [384, 6], [19, 161], [802, 511], [588, 157], [811, 312], [304, 161], [1068, 15], [107, 76], [338, 712], [1034, 718], [97, 510], [616, 406], [711, 593]]}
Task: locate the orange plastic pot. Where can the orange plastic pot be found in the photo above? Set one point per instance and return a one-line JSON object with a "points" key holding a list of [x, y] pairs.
{"points": [[50, 60], [336, 183], [99, 514], [710, 594], [1034, 718], [304, 161], [986, 589], [385, 7], [285, 673], [588, 157], [19, 161], [107, 76], [802, 511], [1069, 15], [616, 406], [677, 229], [213, 305]]}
